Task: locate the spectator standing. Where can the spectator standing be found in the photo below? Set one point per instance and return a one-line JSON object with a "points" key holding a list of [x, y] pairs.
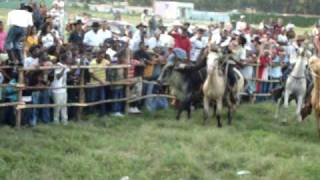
{"points": [[154, 41], [117, 91], [47, 38], [138, 36], [198, 43], [264, 63], [98, 77], [31, 40], [60, 91], [104, 32], [241, 24], [144, 17], [181, 39], [92, 38], [18, 22], [57, 13], [77, 35], [3, 36]]}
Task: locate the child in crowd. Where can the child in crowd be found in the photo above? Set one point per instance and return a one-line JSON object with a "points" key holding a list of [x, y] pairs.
{"points": [[60, 91], [31, 40]]}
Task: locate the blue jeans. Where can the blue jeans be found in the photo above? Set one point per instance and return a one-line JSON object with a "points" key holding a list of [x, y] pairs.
{"points": [[98, 94], [40, 97], [117, 94], [156, 103], [15, 42]]}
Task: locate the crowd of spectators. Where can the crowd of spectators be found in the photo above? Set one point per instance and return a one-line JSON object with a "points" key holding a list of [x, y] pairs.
{"points": [[39, 37]]}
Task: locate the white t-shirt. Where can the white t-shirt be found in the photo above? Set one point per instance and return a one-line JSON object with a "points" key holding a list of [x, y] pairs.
{"points": [[143, 18], [47, 40], [166, 40], [196, 46], [241, 55], [153, 43], [241, 25], [62, 82], [216, 36], [111, 53], [282, 38], [60, 3], [21, 18], [92, 39], [57, 15], [105, 34], [30, 62]]}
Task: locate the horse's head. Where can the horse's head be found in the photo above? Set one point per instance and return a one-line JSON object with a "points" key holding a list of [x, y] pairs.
{"points": [[305, 50], [213, 61]]}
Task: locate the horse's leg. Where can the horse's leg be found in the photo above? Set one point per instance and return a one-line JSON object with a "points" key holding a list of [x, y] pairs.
{"points": [[189, 109], [279, 102], [286, 106], [298, 109], [206, 110], [318, 122], [219, 110], [179, 110], [229, 115], [214, 110]]}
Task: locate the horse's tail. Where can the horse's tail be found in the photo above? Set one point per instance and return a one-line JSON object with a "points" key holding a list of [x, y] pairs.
{"points": [[240, 82]]}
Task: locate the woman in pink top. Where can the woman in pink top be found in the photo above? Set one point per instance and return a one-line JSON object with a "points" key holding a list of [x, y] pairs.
{"points": [[3, 36]]}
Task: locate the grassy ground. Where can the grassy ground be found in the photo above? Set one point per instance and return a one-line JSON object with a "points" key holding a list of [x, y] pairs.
{"points": [[154, 146]]}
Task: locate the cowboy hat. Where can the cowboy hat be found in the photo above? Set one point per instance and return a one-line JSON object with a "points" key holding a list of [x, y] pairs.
{"points": [[141, 25], [95, 24], [301, 38]]}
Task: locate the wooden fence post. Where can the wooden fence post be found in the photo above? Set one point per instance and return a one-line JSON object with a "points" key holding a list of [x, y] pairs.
{"points": [[81, 94], [128, 95], [20, 99]]}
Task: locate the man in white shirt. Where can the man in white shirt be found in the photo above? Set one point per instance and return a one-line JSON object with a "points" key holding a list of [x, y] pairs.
{"points": [[154, 41], [241, 25], [18, 21], [143, 18], [60, 91], [92, 37], [57, 13], [104, 32], [165, 39], [138, 36], [197, 44]]}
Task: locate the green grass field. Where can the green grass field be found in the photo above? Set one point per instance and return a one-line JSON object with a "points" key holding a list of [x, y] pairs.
{"points": [[154, 146]]}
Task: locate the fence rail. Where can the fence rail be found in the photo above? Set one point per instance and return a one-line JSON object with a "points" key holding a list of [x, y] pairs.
{"points": [[127, 82]]}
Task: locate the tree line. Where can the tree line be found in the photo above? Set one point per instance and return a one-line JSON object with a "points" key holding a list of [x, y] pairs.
{"points": [[274, 6]]}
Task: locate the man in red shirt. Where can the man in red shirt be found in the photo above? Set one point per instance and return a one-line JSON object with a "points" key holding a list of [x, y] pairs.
{"points": [[181, 39]]}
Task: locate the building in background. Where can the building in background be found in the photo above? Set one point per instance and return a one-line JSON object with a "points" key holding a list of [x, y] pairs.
{"points": [[173, 10]]}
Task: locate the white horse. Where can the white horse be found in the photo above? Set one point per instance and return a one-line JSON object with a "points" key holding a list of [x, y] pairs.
{"points": [[215, 89], [296, 85]]}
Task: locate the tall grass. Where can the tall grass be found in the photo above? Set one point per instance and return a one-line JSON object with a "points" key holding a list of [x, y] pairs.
{"points": [[154, 146]]}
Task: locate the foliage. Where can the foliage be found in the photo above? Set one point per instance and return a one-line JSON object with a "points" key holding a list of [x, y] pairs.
{"points": [[283, 6], [256, 18], [154, 146]]}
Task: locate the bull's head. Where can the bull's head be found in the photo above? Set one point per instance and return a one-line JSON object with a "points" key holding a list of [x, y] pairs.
{"points": [[165, 74]]}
